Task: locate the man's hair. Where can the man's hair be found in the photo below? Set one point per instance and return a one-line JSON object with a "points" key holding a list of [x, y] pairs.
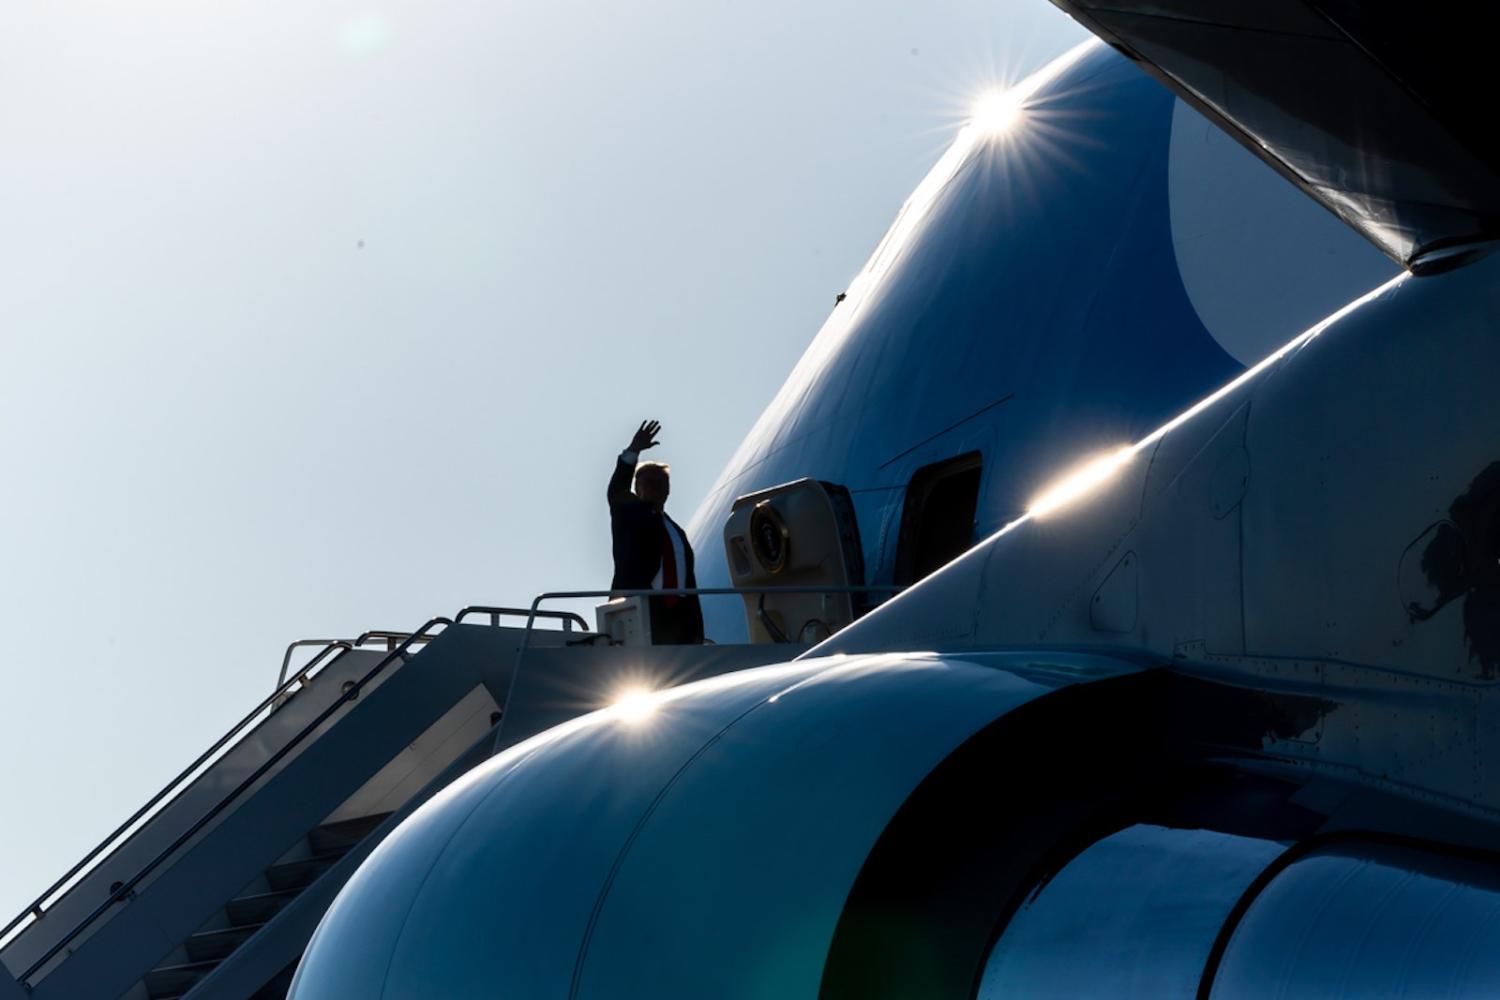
{"points": [[649, 469]]}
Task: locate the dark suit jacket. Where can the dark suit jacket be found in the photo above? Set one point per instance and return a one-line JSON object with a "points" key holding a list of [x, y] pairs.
{"points": [[639, 534]]}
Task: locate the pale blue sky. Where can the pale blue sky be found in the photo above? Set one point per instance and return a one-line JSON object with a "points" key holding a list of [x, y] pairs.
{"points": [[226, 424]]}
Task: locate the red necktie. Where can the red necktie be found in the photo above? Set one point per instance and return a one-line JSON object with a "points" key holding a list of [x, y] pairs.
{"points": [[668, 563]]}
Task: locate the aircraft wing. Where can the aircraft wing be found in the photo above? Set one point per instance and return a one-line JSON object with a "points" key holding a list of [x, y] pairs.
{"points": [[1377, 110]]}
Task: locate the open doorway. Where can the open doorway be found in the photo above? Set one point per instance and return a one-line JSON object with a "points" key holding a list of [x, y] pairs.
{"points": [[937, 521]]}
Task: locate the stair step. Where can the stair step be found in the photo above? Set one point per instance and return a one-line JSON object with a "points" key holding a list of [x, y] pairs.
{"points": [[247, 914], [300, 874], [175, 980], [260, 907], [344, 834], [220, 944]]}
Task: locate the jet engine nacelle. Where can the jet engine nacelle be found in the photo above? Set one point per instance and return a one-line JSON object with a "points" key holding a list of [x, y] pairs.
{"points": [[1032, 824]]}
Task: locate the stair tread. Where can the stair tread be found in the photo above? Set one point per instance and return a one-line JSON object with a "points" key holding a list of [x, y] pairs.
{"points": [[274, 893], [303, 871], [246, 929], [344, 833], [260, 907], [356, 822], [202, 966], [322, 857], [174, 980], [219, 944]]}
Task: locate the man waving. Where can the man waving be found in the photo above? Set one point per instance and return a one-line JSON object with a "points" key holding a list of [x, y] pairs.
{"points": [[651, 550]]}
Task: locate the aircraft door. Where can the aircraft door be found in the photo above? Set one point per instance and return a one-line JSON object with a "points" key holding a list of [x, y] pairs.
{"points": [[798, 534], [937, 519]]}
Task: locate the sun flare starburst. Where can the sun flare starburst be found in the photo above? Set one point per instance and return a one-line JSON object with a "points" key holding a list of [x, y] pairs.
{"points": [[634, 704], [998, 111]]}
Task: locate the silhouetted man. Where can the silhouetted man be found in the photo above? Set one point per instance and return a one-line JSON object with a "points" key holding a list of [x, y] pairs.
{"points": [[651, 550]]}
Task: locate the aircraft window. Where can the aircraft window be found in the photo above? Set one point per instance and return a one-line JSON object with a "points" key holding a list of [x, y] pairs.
{"points": [[937, 521], [1134, 916], [1368, 920]]}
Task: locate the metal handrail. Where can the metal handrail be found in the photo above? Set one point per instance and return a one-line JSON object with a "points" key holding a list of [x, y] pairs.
{"points": [[386, 636], [37, 907], [127, 887], [328, 646], [567, 617], [565, 595]]}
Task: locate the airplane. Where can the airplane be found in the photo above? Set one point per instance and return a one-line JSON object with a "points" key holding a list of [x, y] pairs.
{"points": [[1188, 686]]}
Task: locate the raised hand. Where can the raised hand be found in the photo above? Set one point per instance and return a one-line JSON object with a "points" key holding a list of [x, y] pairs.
{"points": [[645, 436]]}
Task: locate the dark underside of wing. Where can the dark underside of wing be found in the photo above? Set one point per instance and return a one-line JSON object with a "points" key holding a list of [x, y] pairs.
{"points": [[1381, 112]]}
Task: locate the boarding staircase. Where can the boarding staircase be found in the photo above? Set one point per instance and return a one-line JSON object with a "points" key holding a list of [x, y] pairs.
{"points": [[214, 887]]}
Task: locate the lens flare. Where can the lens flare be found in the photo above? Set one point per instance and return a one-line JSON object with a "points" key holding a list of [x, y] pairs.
{"points": [[998, 111], [1079, 482], [633, 705]]}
